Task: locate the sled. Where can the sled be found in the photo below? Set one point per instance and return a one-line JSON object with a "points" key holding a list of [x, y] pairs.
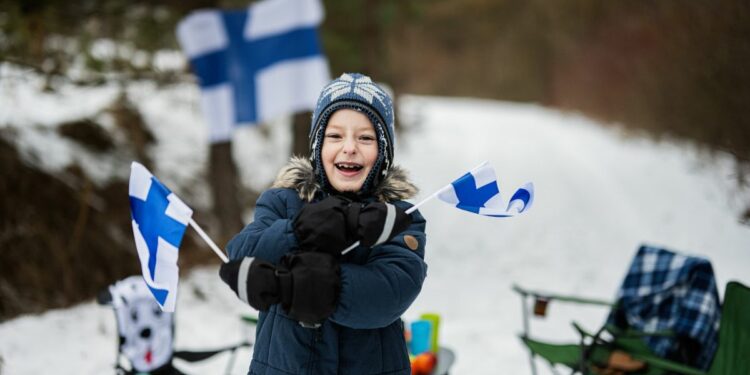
{"points": [[146, 334], [617, 350]]}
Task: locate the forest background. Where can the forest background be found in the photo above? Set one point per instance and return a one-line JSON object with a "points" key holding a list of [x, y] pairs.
{"points": [[669, 68]]}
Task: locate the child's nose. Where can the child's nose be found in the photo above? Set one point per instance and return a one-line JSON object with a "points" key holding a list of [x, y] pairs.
{"points": [[350, 145]]}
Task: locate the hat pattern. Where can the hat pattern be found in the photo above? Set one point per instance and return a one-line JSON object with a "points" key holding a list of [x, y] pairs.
{"points": [[361, 86]]}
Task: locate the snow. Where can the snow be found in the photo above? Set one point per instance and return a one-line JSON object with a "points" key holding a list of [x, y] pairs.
{"points": [[599, 194]]}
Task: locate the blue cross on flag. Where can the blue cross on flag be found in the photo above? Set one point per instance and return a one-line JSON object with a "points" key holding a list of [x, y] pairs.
{"points": [[255, 64], [159, 221], [478, 192]]}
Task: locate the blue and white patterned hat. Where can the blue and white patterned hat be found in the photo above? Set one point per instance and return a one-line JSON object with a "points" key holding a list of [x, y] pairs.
{"points": [[355, 91]]}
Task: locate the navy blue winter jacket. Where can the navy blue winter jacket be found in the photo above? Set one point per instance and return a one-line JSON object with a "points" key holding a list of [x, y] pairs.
{"points": [[365, 334]]}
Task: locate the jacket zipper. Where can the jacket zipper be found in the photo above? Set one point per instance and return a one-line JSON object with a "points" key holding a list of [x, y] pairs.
{"points": [[313, 354]]}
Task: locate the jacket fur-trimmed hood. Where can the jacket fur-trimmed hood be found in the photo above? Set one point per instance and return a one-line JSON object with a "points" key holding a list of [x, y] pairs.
{"points": [[298, 174]]}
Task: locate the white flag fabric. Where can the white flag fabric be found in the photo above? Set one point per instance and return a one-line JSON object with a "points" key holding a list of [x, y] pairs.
{"points": [[257, 64], [159, 221], [478, 191]]}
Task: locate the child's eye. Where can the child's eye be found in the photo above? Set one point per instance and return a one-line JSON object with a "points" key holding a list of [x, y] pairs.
{"points": [[333, 136], [367, 138]]}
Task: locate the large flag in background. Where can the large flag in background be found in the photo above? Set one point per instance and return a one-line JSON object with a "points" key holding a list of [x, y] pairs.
{"points": [[255, 64], [159, 221], [478, 192]]}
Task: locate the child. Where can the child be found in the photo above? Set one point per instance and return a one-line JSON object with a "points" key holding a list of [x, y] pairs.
{"points": [[323, 312]]}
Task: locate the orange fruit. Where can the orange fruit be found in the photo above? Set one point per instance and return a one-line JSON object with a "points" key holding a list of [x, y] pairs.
{"points": [[423, 364]]}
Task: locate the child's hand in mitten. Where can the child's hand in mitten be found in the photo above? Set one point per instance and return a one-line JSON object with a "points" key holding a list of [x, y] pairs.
{"points": [[322, 226], [310, 284], [379, 222], [253, 280], [306, 284]]}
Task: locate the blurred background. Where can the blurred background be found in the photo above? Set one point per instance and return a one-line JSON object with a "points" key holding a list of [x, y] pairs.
{"points": [[669, 69]]}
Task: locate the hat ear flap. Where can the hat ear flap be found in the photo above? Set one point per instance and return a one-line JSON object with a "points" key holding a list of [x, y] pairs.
{"points": [[316, 146]]}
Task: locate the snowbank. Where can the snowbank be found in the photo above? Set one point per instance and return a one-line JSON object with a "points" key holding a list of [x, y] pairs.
{"points": [[599, 195]]}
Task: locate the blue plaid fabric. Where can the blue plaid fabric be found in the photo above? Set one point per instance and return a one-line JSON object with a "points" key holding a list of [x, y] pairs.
{"points": [[665, 291]]}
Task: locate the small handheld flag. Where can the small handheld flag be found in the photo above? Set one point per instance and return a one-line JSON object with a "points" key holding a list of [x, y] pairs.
{"points": [[477, 191], [159, 221]]}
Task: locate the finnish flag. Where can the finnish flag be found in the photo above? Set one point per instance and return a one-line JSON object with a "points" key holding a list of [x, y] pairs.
{"points": [[255, 64], [159, 221], [478, 192]]}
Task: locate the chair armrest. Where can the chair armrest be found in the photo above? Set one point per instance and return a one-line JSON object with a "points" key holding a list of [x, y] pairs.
{"points": [[560, 297]]}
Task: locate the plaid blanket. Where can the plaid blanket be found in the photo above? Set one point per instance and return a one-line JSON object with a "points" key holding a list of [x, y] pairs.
{"points": [[665, 291]]}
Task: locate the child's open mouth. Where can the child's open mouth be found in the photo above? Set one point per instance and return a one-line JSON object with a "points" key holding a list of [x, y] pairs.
{"points": [[349, 169]]}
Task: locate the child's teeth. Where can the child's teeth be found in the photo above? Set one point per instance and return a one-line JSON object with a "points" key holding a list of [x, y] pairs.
{"points": [[348, 167]]}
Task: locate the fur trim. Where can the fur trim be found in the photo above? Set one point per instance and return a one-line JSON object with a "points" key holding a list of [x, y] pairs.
{"points": [[298, 175]]}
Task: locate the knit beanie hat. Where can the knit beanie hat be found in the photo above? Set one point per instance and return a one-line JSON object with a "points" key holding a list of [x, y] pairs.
{"points": [[358, 92]]}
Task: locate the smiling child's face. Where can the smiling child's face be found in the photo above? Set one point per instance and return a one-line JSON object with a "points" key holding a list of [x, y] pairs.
{"points": [[350, 149]]}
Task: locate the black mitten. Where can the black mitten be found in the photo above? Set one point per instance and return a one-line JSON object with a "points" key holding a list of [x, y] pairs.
{"points": [[253, 280], [307, 284], [310, 284], [321, 226], [379, 222]]}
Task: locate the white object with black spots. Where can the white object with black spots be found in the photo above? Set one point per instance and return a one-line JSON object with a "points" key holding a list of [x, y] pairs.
{"points": [[146, 332]]}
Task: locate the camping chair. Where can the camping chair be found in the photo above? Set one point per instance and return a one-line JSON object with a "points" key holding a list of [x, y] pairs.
{"points": [[730, 358], [146, 334], [595, 352]]}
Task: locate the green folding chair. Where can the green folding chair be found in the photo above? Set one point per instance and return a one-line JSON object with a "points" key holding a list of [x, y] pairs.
{"points": [[594, 349]]}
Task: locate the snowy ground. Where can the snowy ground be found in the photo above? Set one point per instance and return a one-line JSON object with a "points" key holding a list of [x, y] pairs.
{"points": [[598, 196]]}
